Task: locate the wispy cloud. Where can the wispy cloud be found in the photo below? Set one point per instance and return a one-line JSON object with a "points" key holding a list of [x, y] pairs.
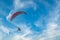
{"points": [[51, 32], [18, 36], [4, 29], [23, 5]]}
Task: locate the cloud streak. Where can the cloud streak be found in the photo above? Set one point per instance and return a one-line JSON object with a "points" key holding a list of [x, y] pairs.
{"points": [[51, 32]]}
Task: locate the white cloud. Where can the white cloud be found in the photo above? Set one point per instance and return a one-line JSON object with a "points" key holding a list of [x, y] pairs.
{"points": [[33, 4], [19, 37], [15, 36], [24, 32], [1, 36], [53, 28], [18, 4], [23, 5], [4, 29], [50, 33]]}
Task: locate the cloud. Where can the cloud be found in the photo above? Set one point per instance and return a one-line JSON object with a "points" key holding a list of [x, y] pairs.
{"points": [[23, 5], [4, 29], [1, 35], [51, 32], [18, 4], [14, 35], [20, 37], [25, 31]]}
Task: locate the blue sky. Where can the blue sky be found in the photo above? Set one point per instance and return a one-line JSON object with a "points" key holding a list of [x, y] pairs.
{"points": [[40, 23]]}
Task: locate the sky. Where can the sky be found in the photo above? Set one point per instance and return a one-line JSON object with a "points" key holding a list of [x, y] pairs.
{"points": [[41, 22]]}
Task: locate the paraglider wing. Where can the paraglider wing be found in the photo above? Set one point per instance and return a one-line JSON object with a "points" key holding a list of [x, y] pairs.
{"points": [[15, 14]]}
